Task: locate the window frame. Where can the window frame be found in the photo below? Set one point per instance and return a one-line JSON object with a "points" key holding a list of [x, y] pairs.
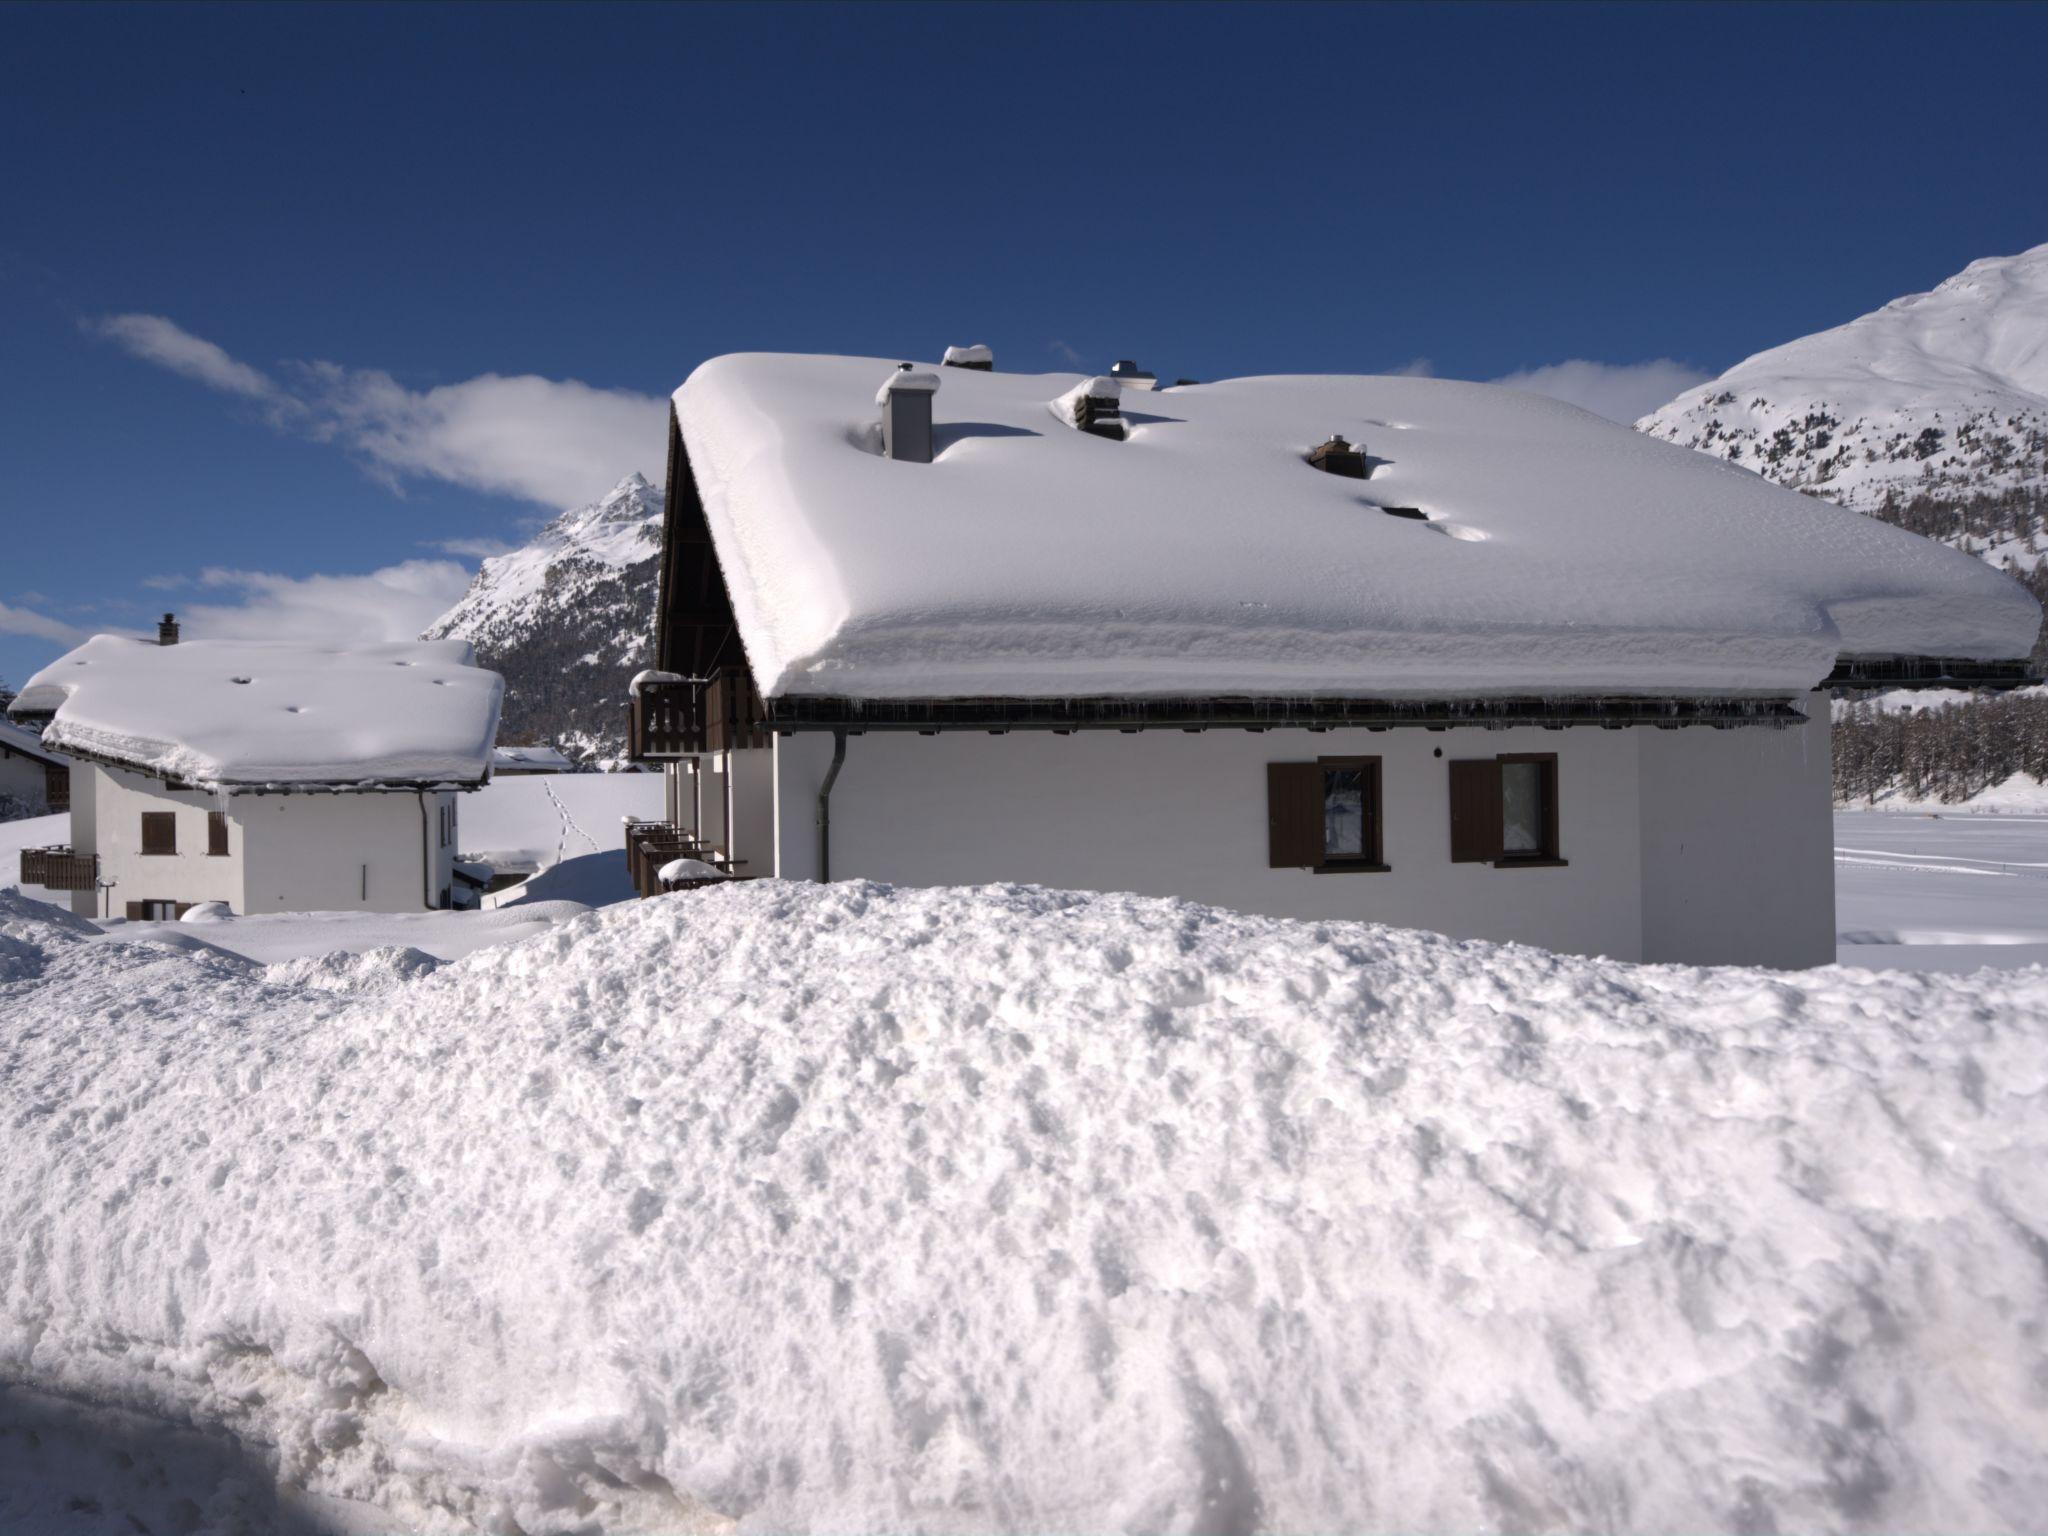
{"points": [[1547, 856], [1373, 860], [165, 822]]}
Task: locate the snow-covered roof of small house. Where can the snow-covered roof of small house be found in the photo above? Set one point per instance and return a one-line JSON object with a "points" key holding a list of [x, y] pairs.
{"points": [[1533, 547], [25, 743], [253, 713]]}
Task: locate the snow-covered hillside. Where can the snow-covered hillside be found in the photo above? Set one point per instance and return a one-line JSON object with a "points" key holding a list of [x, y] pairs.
{"points": [[1009, 1209], [1940, 396], [567, 619]]}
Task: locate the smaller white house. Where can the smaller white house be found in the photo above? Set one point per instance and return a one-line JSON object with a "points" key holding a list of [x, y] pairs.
{"points": [[508, 761], [272, 776], [34, 779]]}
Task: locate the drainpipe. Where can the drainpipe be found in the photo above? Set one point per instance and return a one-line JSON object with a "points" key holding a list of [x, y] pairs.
{"points": [[825, 808], [426, 858], [731, 852]]}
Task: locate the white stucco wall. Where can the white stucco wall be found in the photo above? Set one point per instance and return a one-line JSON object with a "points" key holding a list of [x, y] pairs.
{"points": [[1689, 845], [107, 806], [286, 853], [1738, 845], [1169, 814], [344, 853]]}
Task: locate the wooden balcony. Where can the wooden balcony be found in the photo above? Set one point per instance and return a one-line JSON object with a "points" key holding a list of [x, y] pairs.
{"points": [[665, 721], [58, 869], [651, 844], [685, 717]]}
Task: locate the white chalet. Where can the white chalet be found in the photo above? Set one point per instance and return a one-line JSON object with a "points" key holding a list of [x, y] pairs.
{"points": [[272, 776], [1415, 651]]}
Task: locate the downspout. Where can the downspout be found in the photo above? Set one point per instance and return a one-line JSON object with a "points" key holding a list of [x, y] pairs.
{"points": [[825, 807], [426, 857], [731, 853]]}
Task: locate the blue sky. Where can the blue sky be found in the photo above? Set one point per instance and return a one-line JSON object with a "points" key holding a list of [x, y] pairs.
{"points": [[301, 308]]}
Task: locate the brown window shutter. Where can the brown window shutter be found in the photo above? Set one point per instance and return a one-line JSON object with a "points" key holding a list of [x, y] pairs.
{"points": [[1294, 815], [159, 832], [217, 834], [134, 911], [1475, 810]]}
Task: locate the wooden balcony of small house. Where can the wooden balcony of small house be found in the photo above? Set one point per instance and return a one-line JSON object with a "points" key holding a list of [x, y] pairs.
{"points": [[653, 845], [665, 719], [58, 869]]}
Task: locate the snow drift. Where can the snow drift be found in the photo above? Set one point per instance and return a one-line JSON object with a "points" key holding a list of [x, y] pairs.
{"points": [[856, 1208]]}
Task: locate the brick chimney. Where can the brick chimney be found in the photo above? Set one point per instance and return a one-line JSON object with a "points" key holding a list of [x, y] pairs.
{"points": [[167, 630]]}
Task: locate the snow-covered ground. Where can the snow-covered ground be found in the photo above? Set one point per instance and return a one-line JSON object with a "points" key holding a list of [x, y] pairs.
{"points": [[1949, 891], [838, 1207]]}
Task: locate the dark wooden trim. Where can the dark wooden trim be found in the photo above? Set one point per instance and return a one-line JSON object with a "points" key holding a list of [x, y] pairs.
{"points": [[809, 712], [1929, 672], [267, 787], [216, 834], [694, 630], [1294, 815]]}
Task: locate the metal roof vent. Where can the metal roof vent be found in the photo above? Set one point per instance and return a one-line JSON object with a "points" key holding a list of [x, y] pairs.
{"points": [[1337, 457], [906, 401], [1091, 406], [976, 357], [1131, 376], [167, 630]]}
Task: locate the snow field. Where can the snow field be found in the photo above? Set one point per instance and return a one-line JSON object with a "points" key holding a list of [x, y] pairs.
{"points": [[854, 1208]]}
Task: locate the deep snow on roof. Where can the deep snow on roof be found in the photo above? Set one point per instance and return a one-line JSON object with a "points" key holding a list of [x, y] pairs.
{"points": [[1557, 552], [252, 713]]}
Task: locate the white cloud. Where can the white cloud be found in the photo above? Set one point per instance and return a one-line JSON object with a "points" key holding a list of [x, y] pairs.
{"points": [[1415, 368], [394, 603], [1064, 353], [169, 345], [1622, 392], [25, 621], [557, 442], [474, 549]]}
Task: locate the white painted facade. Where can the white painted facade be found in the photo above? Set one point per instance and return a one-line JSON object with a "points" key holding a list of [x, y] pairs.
{"points": [[349, 851], [24, 768], [1694, 846]]}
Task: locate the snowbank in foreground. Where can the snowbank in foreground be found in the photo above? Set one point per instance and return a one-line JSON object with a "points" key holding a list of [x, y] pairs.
{"points": [[842, 1207]]}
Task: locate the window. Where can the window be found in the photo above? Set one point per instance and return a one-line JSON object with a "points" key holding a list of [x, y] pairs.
{"points": [[159, 831], [156, 911], [1504, 810], [1324, 815], [216, 834]]}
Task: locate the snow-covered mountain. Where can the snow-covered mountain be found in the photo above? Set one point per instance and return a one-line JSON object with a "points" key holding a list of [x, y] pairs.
{"points": [[568, 619], [1931, 412]]}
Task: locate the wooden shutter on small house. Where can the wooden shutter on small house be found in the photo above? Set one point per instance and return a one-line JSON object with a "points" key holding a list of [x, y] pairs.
{"points": [[1475, 810], [217, 834], [159, 832], [134, 911], [1294, 815]]}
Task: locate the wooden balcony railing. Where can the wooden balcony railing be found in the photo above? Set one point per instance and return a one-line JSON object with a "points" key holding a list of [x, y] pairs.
{"points": [[58, 869], [683, 717], [665, 720], [652, 844]]}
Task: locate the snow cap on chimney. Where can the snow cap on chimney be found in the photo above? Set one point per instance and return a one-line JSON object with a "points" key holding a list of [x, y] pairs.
{"points": [[906, 401], [1092, 406], [167, 630], [977, 357]]}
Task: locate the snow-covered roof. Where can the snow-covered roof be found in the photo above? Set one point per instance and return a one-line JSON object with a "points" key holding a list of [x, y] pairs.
{"points": [[26, 743], [1555, 551], [506, 759], [252, 713]]}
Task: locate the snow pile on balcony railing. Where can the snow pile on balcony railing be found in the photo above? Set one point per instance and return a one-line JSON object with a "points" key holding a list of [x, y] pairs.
{"points": [[1012, 1209]]}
